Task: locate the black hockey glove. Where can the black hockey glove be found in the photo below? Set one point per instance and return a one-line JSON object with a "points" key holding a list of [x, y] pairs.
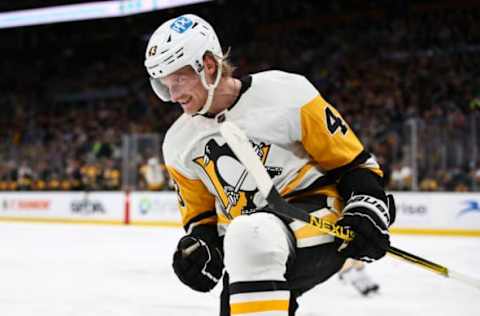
{"points": [[198, 262], [369, 218]]}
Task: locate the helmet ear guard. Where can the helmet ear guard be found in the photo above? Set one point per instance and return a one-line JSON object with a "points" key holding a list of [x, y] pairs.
{"points": [[160, 90]]}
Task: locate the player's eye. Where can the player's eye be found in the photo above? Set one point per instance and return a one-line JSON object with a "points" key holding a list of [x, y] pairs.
{"points": [[181, 80]]}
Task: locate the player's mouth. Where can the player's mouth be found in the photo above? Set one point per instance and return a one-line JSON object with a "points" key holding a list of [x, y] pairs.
{"points": [[186, 103]]}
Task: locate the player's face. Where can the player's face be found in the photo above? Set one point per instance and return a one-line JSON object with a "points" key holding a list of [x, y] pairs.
{"points": [[186, 89]]}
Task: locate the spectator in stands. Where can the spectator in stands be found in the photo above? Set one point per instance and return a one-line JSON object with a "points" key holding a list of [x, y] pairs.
{"points": [[401, 177], [153, 175], [111, 179], [423, 65]]}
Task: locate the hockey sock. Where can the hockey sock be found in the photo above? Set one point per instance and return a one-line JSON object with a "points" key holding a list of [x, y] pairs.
{"points": [[266, 298]]}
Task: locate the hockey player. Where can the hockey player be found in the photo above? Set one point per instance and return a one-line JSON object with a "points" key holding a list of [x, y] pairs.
{"points": [[152, 175], [353, 272], [311, 153]]}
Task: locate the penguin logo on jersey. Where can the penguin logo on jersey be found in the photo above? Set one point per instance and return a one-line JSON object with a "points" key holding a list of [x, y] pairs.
{"points": [[234, 187]]}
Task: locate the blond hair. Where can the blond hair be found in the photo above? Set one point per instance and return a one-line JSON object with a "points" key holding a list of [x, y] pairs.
{"points": [[227, 67]]}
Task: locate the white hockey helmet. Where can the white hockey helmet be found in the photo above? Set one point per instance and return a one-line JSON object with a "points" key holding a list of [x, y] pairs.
{"points": [[180, 42]]}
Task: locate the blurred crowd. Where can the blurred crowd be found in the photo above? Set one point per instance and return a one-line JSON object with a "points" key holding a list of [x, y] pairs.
{"points": [[405, 77]]}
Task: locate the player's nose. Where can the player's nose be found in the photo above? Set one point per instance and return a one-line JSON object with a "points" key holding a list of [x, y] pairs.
{"points": [[175, 94]]}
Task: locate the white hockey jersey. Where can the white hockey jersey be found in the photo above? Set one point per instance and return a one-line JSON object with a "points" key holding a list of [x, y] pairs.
{"points": [[297, 134]]}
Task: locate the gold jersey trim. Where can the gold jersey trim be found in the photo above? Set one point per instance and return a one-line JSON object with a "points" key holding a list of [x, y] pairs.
{"points": [[330, 147], [258, 306], [194, 199]]}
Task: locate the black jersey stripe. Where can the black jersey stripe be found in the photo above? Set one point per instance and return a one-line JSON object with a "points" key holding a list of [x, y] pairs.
{"points": [[198, 218], [257, 286], [332, 176]]}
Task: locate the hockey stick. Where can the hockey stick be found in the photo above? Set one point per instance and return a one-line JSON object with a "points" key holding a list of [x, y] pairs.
{"points": [[241, 146]]}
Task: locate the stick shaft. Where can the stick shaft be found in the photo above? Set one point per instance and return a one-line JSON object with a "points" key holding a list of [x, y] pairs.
{"points": [[283, 208], [240, 145]]}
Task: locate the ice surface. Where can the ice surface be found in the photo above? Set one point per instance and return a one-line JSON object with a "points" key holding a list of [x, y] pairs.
{"points": [[70, 270]]}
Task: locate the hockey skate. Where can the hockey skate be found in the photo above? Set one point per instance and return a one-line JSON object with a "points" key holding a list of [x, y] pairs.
{"points": [[359, 279]]}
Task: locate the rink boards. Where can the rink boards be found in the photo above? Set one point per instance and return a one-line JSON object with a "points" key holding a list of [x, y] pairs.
{"points": [[445, 213]]}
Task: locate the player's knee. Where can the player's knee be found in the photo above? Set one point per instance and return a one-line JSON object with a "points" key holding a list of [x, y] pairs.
{"points": [[256, 248]]}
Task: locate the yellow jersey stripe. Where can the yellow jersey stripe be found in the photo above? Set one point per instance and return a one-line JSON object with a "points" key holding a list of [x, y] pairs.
{"points": [[258, 306], [293, 184], [328, 190]]}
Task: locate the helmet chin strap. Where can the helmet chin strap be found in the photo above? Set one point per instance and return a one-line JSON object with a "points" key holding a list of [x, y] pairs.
{"points": [[210, 88]]}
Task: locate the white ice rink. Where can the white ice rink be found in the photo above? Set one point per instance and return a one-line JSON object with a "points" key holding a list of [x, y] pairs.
{"points": [[70, 270]]}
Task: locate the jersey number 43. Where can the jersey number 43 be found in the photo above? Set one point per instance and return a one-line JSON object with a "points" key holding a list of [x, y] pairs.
{"points": [[334, 122]]}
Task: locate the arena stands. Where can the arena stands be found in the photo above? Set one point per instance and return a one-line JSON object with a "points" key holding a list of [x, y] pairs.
{"points": [[406, 77]]}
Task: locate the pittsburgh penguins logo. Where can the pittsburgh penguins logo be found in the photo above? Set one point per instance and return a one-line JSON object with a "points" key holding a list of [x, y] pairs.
{"points": [[235, 188]]}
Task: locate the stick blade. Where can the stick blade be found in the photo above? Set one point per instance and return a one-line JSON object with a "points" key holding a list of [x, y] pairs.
{"points": [[464, 279]]}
